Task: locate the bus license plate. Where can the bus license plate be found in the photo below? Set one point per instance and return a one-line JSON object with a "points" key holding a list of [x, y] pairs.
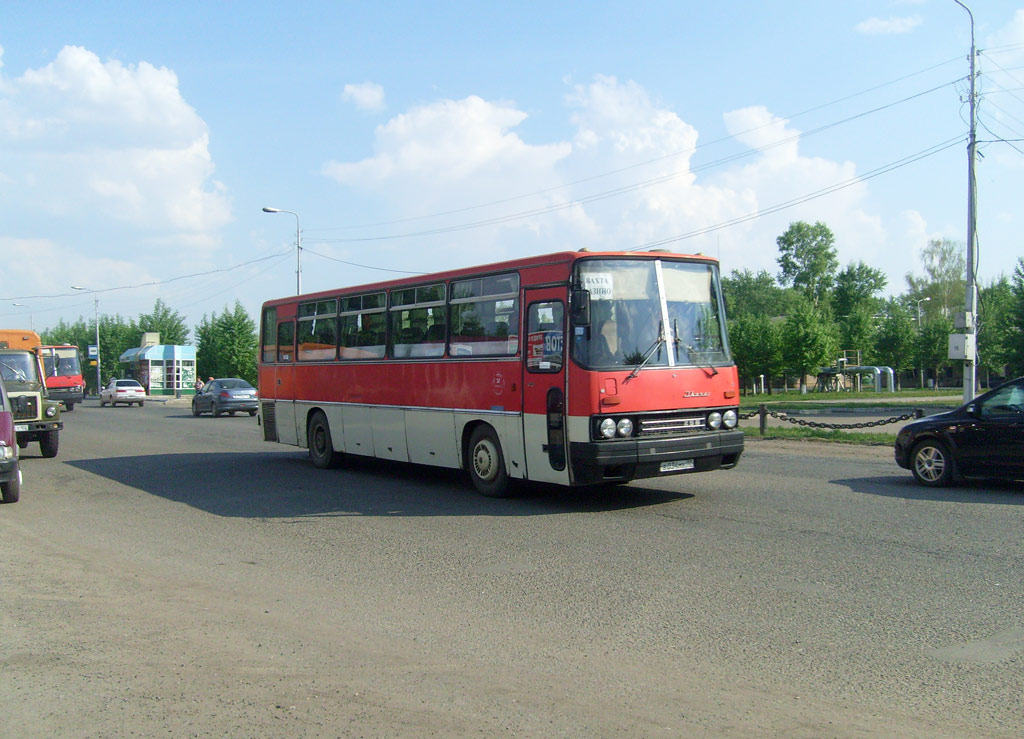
{"points": [[677, 465], [20, 427]]}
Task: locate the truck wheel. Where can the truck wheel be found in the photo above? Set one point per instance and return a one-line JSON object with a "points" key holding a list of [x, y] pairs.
{"points": [[49, 444], [487, 464], [70, 406], [11, 490]]}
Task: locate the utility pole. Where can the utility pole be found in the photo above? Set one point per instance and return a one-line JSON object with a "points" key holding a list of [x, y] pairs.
{"points": [[971, 294]]}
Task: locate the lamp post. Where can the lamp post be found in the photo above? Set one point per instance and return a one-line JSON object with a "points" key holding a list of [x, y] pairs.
{"points": [[96, 307], [922, 300], [298, 247], [31, 323]]}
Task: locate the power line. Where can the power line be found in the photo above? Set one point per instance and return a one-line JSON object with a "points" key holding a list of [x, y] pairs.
{"points": [[655, 160], [884, 169]]}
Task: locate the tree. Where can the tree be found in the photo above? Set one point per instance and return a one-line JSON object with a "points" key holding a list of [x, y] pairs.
{"points": [[169, 324], [857, 332], [807, 258], [759, 294], [856, 285], [809, 340], [226, 345], [995, 326], [894, 341], [1015, 323], [932, 346], [944, 283], [756, 343]]}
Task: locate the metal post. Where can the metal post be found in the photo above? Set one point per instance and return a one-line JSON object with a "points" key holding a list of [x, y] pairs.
{"points": [[971, 293]]}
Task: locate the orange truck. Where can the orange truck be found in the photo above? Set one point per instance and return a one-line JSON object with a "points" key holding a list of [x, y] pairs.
{"points": [[36, 416]]}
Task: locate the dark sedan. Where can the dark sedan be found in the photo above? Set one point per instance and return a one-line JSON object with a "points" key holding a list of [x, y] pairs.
{"points": [[983, 438], [226, 395]]}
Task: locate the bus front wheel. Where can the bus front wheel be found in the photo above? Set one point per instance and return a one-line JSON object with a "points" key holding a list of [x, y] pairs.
{"points": [[321, 447], [487, 464]]}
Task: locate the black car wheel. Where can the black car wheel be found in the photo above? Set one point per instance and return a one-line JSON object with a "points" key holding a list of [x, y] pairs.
{"points": [[11, 490], [931, 463], [195, 409]]}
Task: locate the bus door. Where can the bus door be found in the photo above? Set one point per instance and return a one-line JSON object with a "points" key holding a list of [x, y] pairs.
{"points": [[544, 406]]}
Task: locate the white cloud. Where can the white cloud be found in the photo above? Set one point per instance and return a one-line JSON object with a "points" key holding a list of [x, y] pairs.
{"points": [[454, 154], [80, 134], [880, 26], [365, 96]]}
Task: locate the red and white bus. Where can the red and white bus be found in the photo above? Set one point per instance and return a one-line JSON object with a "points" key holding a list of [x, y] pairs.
{"points": [[576, 368], [63, 367]]}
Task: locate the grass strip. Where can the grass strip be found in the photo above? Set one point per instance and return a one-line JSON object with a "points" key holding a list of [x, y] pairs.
{"points": [[865, 438]]}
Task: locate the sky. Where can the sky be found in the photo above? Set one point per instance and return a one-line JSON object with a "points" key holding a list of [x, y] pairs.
{"points": [[139, 142]]}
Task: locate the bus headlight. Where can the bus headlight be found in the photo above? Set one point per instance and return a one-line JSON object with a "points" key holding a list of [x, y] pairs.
{"points": [[607, 428], [714, 419], [624, 427], [729, 418]]}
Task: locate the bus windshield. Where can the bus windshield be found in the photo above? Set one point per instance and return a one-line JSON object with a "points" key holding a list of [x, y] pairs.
{"points": [[60, 362], [650, 313]]}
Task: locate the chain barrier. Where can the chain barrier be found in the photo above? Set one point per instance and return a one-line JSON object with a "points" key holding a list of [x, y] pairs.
{"points": [[821, 425], [783, 416]]}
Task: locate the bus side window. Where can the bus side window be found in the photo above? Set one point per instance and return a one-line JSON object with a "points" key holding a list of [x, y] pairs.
{"points": [[285, 341]]}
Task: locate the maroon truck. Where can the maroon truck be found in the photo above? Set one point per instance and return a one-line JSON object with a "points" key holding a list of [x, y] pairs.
{"points": [[10, 469]]}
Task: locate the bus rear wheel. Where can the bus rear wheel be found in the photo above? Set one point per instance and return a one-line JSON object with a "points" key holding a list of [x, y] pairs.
{"points": [[321, 447], [487, 464]]}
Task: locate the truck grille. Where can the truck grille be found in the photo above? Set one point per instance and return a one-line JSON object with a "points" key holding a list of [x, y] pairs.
{"points": [[25, 407], [671, 425]]}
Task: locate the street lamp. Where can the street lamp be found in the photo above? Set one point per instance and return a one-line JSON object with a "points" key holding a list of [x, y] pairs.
{"points": [[96, 307], [31, 323], [298, 247], [922, 300]]}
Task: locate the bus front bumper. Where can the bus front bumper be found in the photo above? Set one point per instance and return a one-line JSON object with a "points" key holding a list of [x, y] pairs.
{"points": [[632, 459]]}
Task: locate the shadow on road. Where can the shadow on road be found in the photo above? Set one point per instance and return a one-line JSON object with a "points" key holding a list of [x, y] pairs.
{"points": [[286, 485], [985, 492]]}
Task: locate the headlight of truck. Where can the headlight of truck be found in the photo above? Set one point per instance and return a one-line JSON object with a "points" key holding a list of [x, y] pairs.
{"points": [[51, 411]]}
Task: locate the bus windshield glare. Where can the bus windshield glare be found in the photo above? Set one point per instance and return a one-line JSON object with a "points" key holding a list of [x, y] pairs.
{"points": [[654, 313], [61, 362]]}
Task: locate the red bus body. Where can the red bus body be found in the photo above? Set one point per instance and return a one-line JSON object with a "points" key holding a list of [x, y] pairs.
{"points": [[502, 375], [63, 367]]}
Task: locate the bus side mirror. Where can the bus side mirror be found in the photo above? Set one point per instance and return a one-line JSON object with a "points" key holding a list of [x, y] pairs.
{"points": [[581, 307]]}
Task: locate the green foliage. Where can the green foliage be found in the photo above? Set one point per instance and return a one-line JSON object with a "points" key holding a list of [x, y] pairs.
{"points": [[857, 332], [944, 281], [756, 346], [931, 347], [758, 294], [168, 323], [1014, 336], [895, 338], [226, 345], [856, 286], [807, 258], [809, 340]]}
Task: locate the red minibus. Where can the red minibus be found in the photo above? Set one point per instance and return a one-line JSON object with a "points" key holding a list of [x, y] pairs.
{"points": [[63, 367], [577, 368]]}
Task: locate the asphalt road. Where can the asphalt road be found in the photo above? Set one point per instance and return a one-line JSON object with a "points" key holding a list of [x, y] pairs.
{"points": [[175, 575]]}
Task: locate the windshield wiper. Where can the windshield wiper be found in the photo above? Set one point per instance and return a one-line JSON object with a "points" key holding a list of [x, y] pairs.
{"points": [[649, 353], [701, 356]]}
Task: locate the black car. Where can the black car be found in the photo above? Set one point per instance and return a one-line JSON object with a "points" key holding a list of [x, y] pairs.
{"points": [[983, 438], [226, 395]]}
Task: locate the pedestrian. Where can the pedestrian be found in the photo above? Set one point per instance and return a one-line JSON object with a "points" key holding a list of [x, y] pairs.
{"points": [[198, 386]]}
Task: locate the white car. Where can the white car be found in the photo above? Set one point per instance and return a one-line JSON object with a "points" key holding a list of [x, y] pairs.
{"points": [[123, 391]]}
